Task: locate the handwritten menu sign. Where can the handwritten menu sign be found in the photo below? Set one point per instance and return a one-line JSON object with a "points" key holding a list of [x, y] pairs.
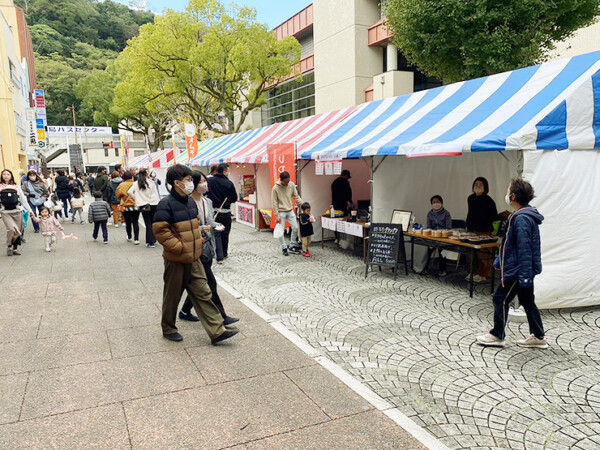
{"points": [[384, 243]]}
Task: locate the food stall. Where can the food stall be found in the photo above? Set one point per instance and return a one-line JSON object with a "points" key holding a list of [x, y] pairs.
{"points": [[541, 122]]}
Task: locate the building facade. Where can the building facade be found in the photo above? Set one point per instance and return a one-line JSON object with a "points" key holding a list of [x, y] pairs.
{"points": [[348, 58], [17, 81]]}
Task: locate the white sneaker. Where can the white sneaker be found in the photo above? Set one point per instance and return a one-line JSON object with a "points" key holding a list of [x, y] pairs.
{"points": [[489, 340], [533, 342], [136, 242], [128, 239], [117, 226]]}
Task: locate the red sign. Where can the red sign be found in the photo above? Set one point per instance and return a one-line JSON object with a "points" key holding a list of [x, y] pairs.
{"points": [[282, 158]]}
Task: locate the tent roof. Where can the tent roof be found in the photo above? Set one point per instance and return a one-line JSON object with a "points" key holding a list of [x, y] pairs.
{"points": [[139, 161], [251, 146], [554, 105]]}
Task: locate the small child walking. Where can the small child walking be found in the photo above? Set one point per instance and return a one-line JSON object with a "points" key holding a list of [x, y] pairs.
{"points": [[77, 203], [306, 228], [98, 214], [48, 227]]}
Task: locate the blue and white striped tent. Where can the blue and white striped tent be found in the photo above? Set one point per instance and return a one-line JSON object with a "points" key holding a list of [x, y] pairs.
{"points": [[555, 105]]}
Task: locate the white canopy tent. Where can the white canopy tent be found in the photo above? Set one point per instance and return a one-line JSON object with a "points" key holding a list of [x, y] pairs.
{"points": [[549, 115]]}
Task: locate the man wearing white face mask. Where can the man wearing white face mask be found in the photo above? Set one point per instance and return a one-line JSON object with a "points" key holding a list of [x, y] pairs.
{"points": [[177, 228]]}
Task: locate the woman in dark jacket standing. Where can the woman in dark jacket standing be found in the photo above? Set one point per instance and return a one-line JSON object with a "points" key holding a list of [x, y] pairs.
{"points": [[63, 188], [480, 219], [519, 262]]}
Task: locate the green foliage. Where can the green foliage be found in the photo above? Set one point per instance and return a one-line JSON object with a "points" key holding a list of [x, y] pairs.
{"points": [[456, 39], [204, 61], [73, 38]]}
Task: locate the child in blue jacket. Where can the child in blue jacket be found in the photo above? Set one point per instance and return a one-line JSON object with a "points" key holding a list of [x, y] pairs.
{"points": [[519, 262]]}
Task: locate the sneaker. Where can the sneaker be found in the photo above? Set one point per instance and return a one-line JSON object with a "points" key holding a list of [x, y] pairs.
{"points": [[16, 253], [116, 225], [188, 316], [229, 320], [226, 335], [489, 340], [105, 242], [136, 242], [533, 342], [306, 254], [175, 337], [128, 239], [294, 250], [285, 252], [9, 252], [150, 245], [220, 262], [36, 231], [48, 249], [81, 223], [94, 237]]}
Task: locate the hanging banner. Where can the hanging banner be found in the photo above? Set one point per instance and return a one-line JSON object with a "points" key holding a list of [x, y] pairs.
{"points": [[282, 158], [191, 140], [41, 121]]}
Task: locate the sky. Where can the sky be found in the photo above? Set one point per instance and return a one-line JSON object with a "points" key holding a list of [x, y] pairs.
{"points": [[271, 12]]}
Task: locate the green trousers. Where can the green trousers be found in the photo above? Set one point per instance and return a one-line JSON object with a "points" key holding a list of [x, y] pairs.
{"points": [[179, 277]]}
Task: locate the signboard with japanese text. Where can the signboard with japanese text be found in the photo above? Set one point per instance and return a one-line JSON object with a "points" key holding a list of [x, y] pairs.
{"points": [[282, 158], [56, 130], [191, 140]]}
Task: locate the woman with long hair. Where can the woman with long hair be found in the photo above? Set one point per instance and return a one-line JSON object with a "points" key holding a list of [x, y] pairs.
{"points": [[36, 192], [131, 212], [12, 212], [145, 193], [207, 225]]}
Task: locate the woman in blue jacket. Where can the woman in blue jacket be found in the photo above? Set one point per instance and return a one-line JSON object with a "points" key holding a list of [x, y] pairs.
{"points": [[519, 262]]}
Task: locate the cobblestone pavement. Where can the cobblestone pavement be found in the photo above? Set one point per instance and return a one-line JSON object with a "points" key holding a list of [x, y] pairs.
{"points": [[412, 341]]}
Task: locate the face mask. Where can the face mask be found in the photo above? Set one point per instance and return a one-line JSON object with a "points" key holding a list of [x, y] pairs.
{"points": [[478, 190], [31, 178], [203, 188], [437, 206], [507, 199], [189, 187]]}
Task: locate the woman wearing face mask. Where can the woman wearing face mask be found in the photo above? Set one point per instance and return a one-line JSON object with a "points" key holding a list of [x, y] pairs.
{"points": [[439, 219], [480, 219], [519, 261], [37, 193], [145, 193], [207, 224]]}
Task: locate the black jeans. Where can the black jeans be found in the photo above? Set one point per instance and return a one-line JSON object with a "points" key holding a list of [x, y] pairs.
{"points": [[66, 204], [222, 237], [132, 219], [36, 211], [503, 297], [148, 217], [97, 225], [212, 283]]}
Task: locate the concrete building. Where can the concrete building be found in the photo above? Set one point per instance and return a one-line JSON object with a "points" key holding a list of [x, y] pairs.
{"points": [[17, 74], [348, 58]]}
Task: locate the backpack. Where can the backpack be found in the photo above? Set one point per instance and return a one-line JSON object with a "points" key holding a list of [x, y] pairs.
{"points": [[9, 197]]}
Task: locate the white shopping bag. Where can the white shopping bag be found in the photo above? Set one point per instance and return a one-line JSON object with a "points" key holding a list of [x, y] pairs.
{"points": [[278, 231]]}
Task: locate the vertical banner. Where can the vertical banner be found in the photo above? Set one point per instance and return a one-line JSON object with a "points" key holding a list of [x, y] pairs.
{"points": [[191, 140], [41, 118], [124, 151], [32, 137], [282, 158]]}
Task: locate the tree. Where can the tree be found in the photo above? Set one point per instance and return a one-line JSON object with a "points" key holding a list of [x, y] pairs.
{"points": [[456, 39], [208, 60]]}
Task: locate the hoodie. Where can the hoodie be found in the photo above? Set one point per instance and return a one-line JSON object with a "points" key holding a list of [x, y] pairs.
{"points": [[112, 189], [439, 220], [281, 197], [520, 256]]}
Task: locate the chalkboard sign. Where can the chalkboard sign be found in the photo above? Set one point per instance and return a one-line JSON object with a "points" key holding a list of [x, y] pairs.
{"points": [[384, 246]]}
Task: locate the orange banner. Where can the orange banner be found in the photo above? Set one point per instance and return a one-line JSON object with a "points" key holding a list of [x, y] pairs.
{"points": [[282, 158], [191, 140]]}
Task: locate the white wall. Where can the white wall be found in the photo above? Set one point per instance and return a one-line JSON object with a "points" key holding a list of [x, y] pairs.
{"points": [[585, 40], [566, 184], [409, 183], [316, 189]]}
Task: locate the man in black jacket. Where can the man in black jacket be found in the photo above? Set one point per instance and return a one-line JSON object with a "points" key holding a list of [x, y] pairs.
{"points": [[341, 193], [101, 183], [222, 193]]}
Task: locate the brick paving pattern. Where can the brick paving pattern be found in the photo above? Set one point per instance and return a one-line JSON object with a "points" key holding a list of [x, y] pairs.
{"points": [[412, 342]]}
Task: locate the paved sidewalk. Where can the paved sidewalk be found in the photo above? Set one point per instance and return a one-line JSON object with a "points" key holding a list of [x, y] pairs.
{"points": [[83, 364], [412, 341]]}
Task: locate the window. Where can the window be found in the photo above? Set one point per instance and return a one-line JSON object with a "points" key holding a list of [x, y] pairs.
{"points": [[138, 152], [106, 152], [290, 100], [138, 136], [422, 81], [13, 73], [116, 152]]}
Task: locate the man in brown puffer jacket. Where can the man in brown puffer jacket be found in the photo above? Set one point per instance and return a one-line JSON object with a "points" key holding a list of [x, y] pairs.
{"points": [[177, 228]]}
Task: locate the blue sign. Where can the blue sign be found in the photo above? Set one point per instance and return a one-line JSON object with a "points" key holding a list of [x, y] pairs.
{"points": [[39, 124], [39, 92]]}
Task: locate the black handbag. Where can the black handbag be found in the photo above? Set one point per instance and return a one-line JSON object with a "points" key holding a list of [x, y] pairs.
{"points": [[208, 251]]}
